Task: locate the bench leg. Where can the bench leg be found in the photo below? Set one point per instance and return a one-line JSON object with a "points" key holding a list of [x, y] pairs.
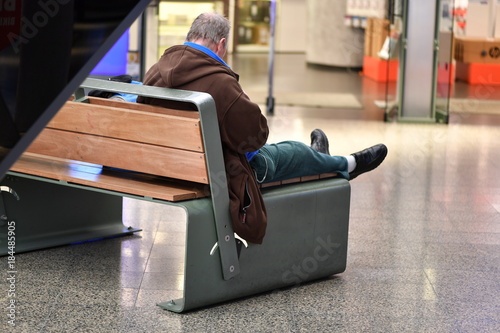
{"points": [[306, 240], [51, 214]]}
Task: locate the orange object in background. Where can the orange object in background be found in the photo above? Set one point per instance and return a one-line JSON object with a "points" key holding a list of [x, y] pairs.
{"points": [[380, 70], [446, 72], [478, 73]]}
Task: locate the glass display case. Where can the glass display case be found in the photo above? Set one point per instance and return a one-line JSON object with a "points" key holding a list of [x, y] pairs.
{"points": [[253, 25], [175, 18]]}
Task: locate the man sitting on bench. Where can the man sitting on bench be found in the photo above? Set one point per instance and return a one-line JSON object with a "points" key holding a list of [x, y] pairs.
{"points": [[198, 66]]}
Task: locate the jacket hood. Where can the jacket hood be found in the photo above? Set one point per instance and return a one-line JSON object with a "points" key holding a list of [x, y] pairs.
{"points": [[182, 64]]}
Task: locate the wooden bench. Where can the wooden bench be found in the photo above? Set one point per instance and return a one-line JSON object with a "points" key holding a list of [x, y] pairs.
{"points": [[69, 186]]}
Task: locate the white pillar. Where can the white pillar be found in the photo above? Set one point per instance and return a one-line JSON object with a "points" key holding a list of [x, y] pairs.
{"points": [[418, 83], [329, 40]]}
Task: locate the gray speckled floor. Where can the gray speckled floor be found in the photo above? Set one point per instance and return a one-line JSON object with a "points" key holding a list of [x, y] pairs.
{"points": [[424, 244]]}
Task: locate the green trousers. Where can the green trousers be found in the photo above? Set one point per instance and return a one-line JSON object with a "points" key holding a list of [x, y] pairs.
{"points": [[292, 159]]}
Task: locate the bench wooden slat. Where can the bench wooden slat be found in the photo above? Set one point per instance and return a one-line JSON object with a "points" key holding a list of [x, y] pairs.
{"points": [[115, 180], [142, 107], [133, 125], [299, 180], [291, 180], [328, 175], [156, 160]]}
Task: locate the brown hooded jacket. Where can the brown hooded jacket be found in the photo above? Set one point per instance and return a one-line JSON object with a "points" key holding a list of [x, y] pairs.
{"points": [[242, 127]]}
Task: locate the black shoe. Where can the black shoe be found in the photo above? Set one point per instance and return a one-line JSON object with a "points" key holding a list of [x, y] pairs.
{"points": [[125, 78], [368, 159], [319, 141]]}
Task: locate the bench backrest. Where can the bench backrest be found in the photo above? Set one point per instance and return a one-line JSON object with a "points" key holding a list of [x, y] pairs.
{"points": [[130, 136], [187, 146]]}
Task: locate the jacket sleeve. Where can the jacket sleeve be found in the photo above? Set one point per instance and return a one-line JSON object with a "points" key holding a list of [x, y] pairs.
{"points": [[243, 126]]}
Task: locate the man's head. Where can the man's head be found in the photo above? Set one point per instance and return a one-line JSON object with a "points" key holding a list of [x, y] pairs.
{"points": [[210, 30]]}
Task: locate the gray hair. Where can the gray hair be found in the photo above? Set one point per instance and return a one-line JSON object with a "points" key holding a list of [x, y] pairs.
{"points": [[211, 27]]}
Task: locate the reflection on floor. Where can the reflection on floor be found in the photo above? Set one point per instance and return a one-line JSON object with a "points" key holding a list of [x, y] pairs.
{"points": [[424, 250]]}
